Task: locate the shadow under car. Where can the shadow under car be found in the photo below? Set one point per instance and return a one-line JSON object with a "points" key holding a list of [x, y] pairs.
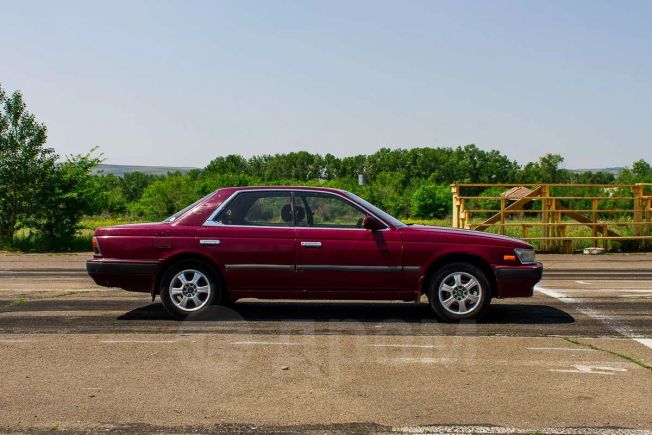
{"points": [[392, 312]]}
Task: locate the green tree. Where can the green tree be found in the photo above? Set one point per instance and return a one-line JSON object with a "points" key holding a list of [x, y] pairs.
{"points": [[67, 196], [26, 164], [589, 177], [133, 184], [491, 204], [301, 166], [391, 191], [109, 195], [351, 167], [641, 170], [231, 164], [166, 196], [208, 182], [546, 170], [432, 201]]}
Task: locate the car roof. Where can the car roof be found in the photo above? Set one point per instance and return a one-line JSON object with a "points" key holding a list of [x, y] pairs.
{"points": [[312, 188]]}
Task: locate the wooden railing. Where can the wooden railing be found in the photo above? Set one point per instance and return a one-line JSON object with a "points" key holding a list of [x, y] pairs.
{"points": [[559, 217]]}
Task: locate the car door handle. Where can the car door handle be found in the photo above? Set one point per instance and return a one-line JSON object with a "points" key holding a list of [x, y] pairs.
{"points": [[211, 242], [311, 244]]}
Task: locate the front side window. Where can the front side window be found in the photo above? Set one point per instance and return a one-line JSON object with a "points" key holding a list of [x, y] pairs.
{"points": [[262, 208], [378, 212], [314, 209]]}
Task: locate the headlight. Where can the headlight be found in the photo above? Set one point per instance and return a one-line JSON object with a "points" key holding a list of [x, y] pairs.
{"points": [[526, 256]]}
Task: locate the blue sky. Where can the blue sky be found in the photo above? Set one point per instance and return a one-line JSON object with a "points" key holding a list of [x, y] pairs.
{"points": [[178, 83]]}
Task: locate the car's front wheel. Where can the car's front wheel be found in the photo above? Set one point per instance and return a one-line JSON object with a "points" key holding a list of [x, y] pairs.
{"points": [[188, 287], [459, 291]]}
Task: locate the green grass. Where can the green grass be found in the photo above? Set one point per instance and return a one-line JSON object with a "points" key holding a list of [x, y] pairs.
{"points": [[571, 231], [624, 228], [618, 354], [23, 300], [90, 223], [19, 301], [26, 241], [436, 222]]}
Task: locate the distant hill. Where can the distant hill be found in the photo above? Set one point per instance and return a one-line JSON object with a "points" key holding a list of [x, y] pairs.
{"points": [[120, 170], [615, 170]]}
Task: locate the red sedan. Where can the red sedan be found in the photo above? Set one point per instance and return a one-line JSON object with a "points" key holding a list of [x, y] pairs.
{"points": [[308, 243]]}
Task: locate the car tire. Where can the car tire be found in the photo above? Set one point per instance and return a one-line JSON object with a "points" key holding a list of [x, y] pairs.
{"points": [[188, 288], [459, 291]]}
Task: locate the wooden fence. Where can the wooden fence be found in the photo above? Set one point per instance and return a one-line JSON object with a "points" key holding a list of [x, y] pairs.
{"points": [[559, 217]]}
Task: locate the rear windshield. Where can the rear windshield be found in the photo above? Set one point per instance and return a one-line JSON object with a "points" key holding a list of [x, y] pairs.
{"points": [[185, 210]]}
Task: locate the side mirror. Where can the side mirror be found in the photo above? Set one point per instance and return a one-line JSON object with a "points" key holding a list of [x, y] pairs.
{"points": [[373, 224]]}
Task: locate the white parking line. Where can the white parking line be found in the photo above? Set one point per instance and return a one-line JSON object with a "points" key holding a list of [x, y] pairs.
{"points": [[594, 314], [512, 430], [287, 343], [266, 343], [137, 341], [561, 348], [422, 346], [593, 370], [645, 341], [413, 360], [555, 294]]}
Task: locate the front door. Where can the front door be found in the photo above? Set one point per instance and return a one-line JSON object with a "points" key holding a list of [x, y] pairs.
{"points": [[253, 238], [337, 257]]}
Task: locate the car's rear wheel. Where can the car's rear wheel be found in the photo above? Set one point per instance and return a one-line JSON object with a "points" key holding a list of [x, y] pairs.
{"points": [[459, 291], [188, 287]]}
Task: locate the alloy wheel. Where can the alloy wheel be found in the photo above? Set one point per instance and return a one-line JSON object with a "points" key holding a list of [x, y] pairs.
{"points": [[190, 290], [460, 293]]}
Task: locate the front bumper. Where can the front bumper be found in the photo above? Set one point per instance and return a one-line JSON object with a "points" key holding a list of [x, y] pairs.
{"points": [[128, 275], [517, 281]]}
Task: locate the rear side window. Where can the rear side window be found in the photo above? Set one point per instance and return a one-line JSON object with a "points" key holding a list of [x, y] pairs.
{"points": [[262, 208]]}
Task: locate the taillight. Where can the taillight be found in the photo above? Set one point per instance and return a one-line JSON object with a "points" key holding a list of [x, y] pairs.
{"points": [[96, 246]]}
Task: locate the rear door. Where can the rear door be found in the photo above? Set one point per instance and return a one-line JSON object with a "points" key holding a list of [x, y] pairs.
{"points": [[337, 257], [252, 238]]}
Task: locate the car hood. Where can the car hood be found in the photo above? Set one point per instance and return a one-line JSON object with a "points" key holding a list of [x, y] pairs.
{"points": [[455, 235]]}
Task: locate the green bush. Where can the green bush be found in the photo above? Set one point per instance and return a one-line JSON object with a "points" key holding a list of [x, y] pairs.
{"points": [[166, 196], [67, 197], [432, 201], [34, 241], [491, 204]]}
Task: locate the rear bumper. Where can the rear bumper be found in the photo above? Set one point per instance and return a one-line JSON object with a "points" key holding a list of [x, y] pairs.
{"points": [[128, 275], [517, 281]]}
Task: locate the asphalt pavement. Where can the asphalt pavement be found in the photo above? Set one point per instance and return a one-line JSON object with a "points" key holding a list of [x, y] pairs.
{"points": [[575, 358]]}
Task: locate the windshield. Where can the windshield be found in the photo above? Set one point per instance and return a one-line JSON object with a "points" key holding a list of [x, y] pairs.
{"points": [[183, 211], [378, 212]]}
